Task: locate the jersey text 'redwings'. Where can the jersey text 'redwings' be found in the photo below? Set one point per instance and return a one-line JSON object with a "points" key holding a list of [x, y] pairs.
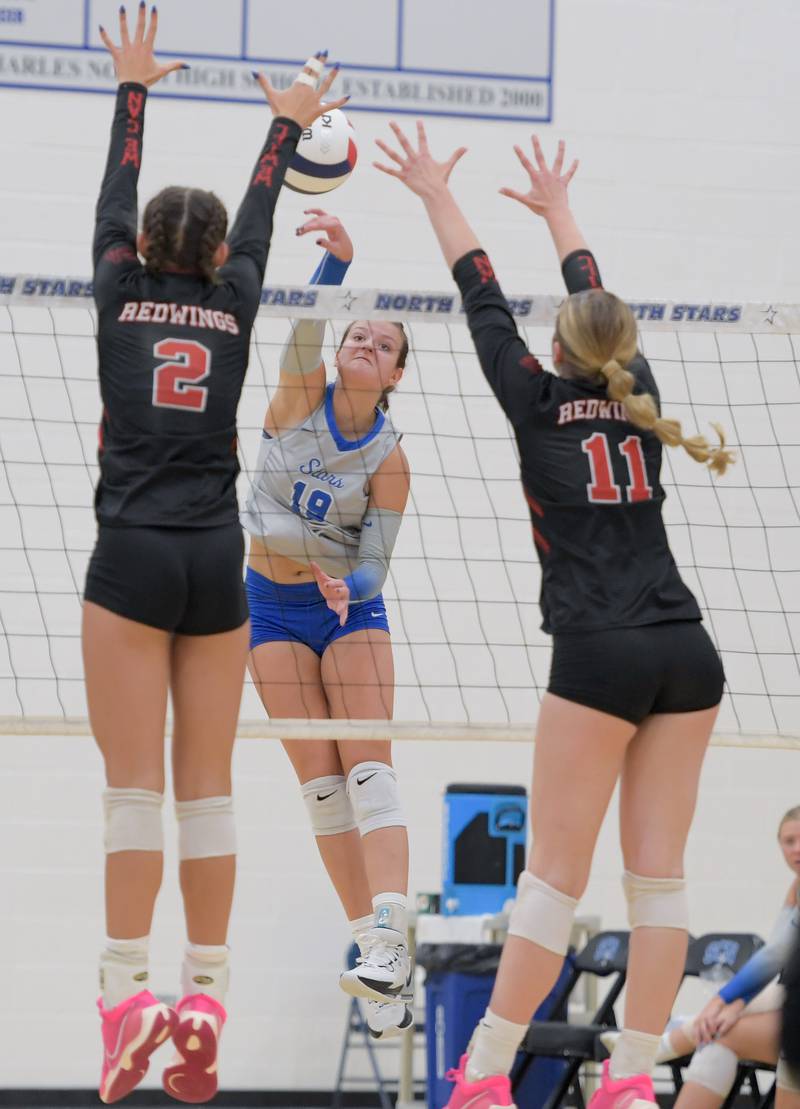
{"points": [[590, 477], [173, 347], [181, 315]]}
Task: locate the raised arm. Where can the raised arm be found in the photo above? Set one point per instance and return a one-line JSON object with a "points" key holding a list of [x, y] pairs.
{"points": [[547, 197], [114, 246], [302, 372], [509, 366], [294, 108]]}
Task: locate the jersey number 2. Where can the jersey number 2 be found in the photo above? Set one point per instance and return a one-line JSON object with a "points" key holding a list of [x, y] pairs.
{"points": [[603, 489], [175, 381]]}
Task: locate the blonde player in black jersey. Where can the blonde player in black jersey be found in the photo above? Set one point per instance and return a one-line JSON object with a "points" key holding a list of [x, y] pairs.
{"points": [[635, 682], [330, 488], [164, 606]]}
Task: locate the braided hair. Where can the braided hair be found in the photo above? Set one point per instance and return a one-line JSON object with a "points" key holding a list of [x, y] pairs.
{"points": [[183, 228], [597, 333]]}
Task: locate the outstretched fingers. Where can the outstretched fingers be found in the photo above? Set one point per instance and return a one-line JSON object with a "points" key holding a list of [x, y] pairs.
{"points": [[538, 153], [525, 161], [388, 169], [512, 194], [107, 41], [454, 158], [422, 138], [150, 37], [387, 150], [124, 37], [141, 20], [401, 138], [571, 172], [331, 77]]}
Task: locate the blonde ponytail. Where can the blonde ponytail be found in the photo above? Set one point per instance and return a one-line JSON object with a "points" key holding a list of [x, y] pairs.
{"points": [[597, 333]]}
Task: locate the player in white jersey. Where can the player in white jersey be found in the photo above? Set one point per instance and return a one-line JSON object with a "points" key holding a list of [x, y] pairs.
{"points": [[323, 515]]}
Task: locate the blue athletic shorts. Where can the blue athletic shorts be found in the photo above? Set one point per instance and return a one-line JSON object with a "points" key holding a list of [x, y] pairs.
{"points": [[299, 614]]}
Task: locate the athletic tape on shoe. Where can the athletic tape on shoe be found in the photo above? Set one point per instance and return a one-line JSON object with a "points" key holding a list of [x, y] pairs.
{"points": [[656, 902], [328, 805], [713, 1066], [373, 793], [206, 828], [786, 1078], [542, 914], [132, 820]]}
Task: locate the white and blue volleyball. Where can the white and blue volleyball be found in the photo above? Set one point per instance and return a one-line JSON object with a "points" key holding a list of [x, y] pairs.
{"points": [[325, 155]]}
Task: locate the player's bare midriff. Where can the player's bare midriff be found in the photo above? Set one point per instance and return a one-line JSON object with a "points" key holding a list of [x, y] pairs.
{"points": [[276, 567]]}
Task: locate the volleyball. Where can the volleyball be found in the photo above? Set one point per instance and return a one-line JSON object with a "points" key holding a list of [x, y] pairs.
{"points": [[325, 155]]}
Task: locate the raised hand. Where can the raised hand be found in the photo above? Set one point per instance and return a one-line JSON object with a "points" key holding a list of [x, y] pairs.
{"points": [[303, 101], [336, 241], [548, 189], [335, 591], [418, 170], [133, 58]]}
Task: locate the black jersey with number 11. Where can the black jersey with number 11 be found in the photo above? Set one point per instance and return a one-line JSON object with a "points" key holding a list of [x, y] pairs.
{"points": [[590, 477], [173, 347]]}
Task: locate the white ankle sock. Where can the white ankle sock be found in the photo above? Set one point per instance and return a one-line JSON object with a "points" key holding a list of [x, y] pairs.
{"points": [[123, 969], [205, 970], [494, 1045], [634, 1053], [359, 927], [391, 911]]}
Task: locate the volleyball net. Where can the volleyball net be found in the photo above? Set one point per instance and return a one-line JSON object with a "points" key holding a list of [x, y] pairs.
{"points": [[462, 594]]}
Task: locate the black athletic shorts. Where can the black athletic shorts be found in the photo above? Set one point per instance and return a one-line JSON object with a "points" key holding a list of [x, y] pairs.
{"points": [[634, 672], [184, 580]]}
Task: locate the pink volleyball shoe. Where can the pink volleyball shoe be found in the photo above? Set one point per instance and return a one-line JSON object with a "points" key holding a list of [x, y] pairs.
{"points": [[192, 1075], [131, 1031], [493, 1092], [623, 1093]]}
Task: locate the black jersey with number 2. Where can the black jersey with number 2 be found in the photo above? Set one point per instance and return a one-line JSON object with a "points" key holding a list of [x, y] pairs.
{"points": [[173, 348], [590, 477]]}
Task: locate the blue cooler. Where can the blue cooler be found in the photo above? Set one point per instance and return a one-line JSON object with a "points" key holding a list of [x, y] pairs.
{"points": [[485, 830], [454, 1003]]}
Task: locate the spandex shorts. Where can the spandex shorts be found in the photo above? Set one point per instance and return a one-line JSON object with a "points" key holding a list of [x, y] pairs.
{"points": [[635, 672], [299, 614], [183, 580]]}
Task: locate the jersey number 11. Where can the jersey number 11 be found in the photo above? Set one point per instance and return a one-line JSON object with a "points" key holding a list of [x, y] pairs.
{"points": [[603, 489]]}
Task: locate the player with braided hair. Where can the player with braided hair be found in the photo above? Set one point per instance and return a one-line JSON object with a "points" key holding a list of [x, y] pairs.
{"points": [[164, 607], [635, 680]]}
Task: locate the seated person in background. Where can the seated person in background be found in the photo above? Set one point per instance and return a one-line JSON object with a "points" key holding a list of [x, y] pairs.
{"points": [[743, 1020]]}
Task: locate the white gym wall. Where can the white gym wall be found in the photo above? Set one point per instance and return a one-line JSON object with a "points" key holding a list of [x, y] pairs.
{"points": [[682, 114]]}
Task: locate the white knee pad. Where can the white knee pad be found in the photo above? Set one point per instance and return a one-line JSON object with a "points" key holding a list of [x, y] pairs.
{"points": [[542, 914], [656, 902], [132, 820], [786, 1078], [206, 828], [372, 789], [328, 805], [713, 1066]]}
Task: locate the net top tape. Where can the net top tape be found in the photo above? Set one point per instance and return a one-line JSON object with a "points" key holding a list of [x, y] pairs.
{"points": [[336, 303]]}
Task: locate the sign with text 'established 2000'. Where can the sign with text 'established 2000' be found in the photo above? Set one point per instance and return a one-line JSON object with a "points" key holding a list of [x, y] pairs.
{"points": [[419, 57]]}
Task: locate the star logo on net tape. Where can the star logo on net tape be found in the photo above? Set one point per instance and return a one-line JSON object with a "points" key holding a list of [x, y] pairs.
{"points": [[348, 300], [770, 315]]}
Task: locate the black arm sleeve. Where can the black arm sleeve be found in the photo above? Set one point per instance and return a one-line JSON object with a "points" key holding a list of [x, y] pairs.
{"points": [[580, 272], [114, 246], [509, 366], [251, 233]]}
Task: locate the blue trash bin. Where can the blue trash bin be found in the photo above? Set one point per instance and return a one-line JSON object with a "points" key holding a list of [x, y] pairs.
{"points": [[458, 986]]}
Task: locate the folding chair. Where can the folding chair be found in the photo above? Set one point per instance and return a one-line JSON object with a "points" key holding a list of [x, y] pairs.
{"points": [[605, 955], [719, 955]]}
